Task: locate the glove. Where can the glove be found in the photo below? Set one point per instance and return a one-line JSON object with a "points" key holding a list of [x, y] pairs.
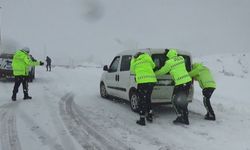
{"points": [[41, 63]]}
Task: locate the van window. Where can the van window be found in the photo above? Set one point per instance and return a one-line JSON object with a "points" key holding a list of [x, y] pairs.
{"points": [[159, 60], [125, 63], [114, 65], [187, 62]]}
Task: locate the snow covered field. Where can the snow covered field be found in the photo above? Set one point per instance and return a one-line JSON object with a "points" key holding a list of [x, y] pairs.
{"points": [[67, 113]]}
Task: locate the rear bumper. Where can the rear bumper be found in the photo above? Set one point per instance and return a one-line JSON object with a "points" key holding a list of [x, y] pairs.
{"points": [[167, 101]]}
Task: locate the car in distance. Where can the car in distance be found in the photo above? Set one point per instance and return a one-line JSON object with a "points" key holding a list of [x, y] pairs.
{"points": [[6, 68], [117, 80]]}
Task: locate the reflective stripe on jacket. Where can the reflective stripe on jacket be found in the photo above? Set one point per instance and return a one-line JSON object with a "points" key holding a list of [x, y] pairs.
{"points": [[203, 75], [21, 63], [143, 67], [176, 67]]}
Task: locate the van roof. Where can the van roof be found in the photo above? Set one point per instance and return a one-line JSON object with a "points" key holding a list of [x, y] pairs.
{"points": [[151, 51]]}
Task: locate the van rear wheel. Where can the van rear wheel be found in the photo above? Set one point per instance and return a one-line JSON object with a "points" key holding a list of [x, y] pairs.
{"points": [[134, 101]]}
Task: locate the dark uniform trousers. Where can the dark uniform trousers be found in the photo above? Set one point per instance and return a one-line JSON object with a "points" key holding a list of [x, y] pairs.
{"points": [[207, 93], [179, 100], [144, 91], [18, 81]]}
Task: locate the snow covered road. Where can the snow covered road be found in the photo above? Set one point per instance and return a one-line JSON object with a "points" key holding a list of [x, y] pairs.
{"points": [[8, 131], [83, 129], [66, 112]]}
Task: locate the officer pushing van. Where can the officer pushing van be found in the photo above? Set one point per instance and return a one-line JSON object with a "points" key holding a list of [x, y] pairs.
{"points": [[175, 65], [142, 66], [204, 76]]}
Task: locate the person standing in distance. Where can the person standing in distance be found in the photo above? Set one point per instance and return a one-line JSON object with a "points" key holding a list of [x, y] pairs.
{"points": [[142, 66], [204, 76], [48, 63], [20, 65], [175, 65]]}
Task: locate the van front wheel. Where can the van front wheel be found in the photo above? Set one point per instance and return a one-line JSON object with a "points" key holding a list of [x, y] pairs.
{"points": [[103, 91], [134, 101]]}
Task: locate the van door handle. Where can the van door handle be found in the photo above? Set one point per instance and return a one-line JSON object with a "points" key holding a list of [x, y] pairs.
{"points": [[118, 77]]}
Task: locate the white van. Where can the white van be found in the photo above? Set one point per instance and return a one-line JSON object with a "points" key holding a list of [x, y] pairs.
{"points": [[117, 81]]}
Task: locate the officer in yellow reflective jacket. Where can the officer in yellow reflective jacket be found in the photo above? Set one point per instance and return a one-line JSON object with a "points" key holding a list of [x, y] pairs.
{"points": [[175, 65], [142, 66], [204, 76], [20, 65]]}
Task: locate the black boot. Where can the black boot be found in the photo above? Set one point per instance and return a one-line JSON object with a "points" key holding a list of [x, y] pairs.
{"points": [[210, 116], [181, 120], [13, 97], [178, 120], [150, 118], [185, 117], [26, 97], [141, 121]]}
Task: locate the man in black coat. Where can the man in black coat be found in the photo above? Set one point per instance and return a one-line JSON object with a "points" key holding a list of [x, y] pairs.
{"points": [[48, 65]]}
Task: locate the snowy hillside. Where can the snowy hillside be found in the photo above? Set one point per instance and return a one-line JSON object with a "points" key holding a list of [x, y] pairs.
{"points": [[232, 74], [66, 112]]}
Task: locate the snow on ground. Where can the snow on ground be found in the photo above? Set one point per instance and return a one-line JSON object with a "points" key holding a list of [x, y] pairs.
{"points": [[66, 112]]}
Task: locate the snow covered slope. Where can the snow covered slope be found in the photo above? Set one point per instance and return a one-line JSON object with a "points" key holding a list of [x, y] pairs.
{"points": [[66, 112], [232, 74]]}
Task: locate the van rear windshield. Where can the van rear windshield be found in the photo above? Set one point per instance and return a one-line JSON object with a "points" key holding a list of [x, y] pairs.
{"points": [[159, 60]]}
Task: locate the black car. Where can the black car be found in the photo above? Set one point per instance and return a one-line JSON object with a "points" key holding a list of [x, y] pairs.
{"points": [[6, 68]]}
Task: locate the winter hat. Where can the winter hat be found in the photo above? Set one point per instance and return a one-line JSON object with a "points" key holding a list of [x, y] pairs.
{"points": [[171, 53], [137, 54], [26, 49]]}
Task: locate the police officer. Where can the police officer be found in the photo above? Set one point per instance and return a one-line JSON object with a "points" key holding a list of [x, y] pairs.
{"points": [[20, 65], [175, 65], [203, 75], [142, 66]]}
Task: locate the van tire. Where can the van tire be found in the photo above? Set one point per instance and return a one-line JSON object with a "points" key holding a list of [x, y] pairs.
{"points": [[133, 101], [103, 91]]}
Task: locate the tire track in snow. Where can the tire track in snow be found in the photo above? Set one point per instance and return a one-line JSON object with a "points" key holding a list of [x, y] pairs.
{"points": [[42, 134], [8, 131], [64, 137], [85, 133]]}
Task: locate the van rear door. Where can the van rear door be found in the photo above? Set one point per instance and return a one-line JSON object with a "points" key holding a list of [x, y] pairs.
{"points": [[163, 90]]}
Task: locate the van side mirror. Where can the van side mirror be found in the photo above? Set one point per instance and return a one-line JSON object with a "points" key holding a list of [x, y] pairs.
{"points": [[105, 68]]}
